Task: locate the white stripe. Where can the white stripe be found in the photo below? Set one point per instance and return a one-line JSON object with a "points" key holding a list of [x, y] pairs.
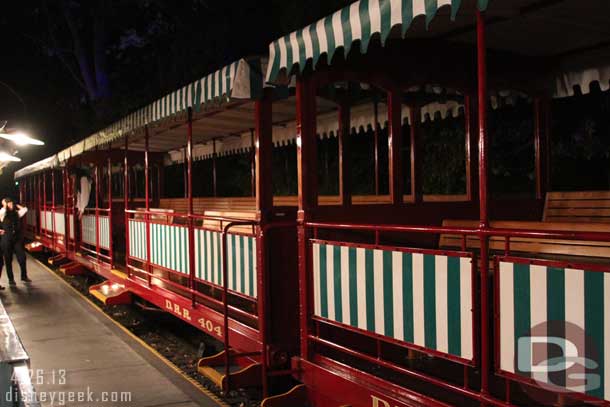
{"points": [[330, 283], [223, 79], [295, 47], [442, 334], [466, 306], [316, 279], [361, 277], [606, 334], [208, 257], [397, 295], [172, 264], [378, 291], [538, 307], [419, 7], [231, 261], [442, 3], [238, 240], [345, 285], [217, 83], [354, 20], [308, 43], [338, 29], [419, 333], [247, 254], [322, 40], [255, 267], [507, 318], [375, 16], [283, 52], [575, 297]]}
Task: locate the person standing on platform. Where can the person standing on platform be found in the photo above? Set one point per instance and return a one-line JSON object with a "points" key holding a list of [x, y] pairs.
{"points": [[11, 240]]}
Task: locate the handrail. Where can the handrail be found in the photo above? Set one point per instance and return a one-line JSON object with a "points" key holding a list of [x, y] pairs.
{"points": [[489, 231], [225, 294]]}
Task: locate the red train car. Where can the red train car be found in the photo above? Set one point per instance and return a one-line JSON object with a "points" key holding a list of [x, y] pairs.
{"points": [[382, 295]]}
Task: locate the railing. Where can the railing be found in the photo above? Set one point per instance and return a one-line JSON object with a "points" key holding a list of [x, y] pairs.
{"points": [[95, 238], [169, 252], [52, 225], [16, 385], [418, 299]]}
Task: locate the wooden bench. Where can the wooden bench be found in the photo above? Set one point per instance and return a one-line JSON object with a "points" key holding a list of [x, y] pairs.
{"points": [[571, 248], [590, 206]]}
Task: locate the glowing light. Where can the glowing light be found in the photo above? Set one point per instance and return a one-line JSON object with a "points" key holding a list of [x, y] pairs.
{"points": [[21, 139], [6, 157]]}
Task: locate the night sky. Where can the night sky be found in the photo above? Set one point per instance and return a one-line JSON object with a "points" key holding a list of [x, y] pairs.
{"points": [[80, 65]]}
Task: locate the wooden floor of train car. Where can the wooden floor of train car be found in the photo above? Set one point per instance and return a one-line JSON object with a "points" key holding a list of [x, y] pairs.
{"points": [[64, 333]]}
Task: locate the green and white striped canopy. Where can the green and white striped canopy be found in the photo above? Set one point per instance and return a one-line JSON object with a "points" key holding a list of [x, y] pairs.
{"points": [[358, 22]]}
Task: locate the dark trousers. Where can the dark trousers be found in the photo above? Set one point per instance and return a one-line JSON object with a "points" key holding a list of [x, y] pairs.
{"points": [[10, 247]]}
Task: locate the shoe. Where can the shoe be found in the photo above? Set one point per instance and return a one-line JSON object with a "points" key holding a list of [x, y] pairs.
{"points": [[12, 283], [26, 280]]}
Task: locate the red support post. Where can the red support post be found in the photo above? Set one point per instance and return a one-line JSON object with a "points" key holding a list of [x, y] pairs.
{"points": [[345, 183], [97, 212], [214, 185], [307, 198], [394, 146], [147, 206], [53, 234], [191, 231], [126, 201], [471, 149], [252, 163], [483, 201], [416, 168], [44, 201], [64, 190], [110, 243], [376, 143], [540, 149], [264, 206]]}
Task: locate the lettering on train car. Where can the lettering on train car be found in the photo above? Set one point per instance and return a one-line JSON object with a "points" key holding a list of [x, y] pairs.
{"points": [[378, 402], [210, 326], [178, 310]]}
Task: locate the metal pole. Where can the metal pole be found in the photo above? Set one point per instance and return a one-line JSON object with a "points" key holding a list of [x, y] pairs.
{"points": [[376, 142], [191, 231], [344, 171], [97, 212], [396, 177], [147, 206], [126, 202], [64, 190], [253, 163], [539, 150], [44, 201], [416, 176], [53, 236], [483, 200], [214, 189], [110, 240]]}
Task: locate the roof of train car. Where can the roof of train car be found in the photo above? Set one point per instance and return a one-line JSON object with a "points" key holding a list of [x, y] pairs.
{"points": [[572, 32]]}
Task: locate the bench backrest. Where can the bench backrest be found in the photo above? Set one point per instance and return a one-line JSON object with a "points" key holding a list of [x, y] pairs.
{"points": [[531, 245], [589, 206]]}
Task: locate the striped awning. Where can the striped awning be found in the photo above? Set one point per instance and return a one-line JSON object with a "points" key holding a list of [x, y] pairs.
{"points": [[358, 22], [47, 163]]}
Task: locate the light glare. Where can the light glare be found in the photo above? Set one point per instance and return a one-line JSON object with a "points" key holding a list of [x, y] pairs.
{"points": [[21, 139], [6, 157]]}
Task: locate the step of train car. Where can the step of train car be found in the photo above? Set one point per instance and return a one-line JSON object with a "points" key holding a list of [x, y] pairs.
{"points": [[111, 293], [58, 259], [244, 371], [34, 247], [295, 397], [72, 268]]}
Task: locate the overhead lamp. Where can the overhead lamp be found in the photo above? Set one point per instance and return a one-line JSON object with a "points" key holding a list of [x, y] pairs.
{"points": [[6, 157], [21, 139]]}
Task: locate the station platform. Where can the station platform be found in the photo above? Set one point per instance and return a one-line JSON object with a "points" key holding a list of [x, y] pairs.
{"points": [[77, 351]]}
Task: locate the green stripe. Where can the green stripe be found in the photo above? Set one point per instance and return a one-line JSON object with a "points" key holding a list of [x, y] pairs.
{"points": [[388, 294], [385, 10], [347, 30], [454, 317], [337, 283], [555, 307], [370, 289], [407, 296], [365, 25], [330, 37], [594, 325], [242, 258], [521, 284], [315, 44], [302, 53], [431, 8], [353, 287], [275, 68], [252, 265], [407, 15], [430, 301], [323, 281]]}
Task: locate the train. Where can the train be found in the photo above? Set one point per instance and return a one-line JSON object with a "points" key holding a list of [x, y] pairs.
{"points": [[390, 298]]}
